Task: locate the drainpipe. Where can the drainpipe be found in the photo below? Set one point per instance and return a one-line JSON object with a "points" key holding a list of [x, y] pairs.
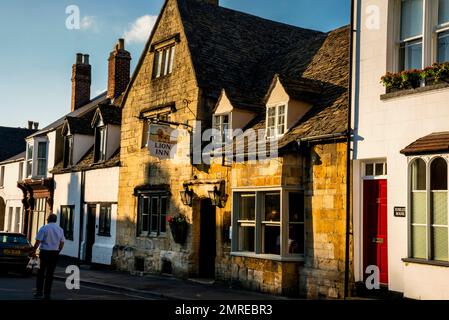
{"points": [[81, 226], [348, 152]]}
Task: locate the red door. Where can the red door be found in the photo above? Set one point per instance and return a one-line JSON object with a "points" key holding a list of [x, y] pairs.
{"points": [[375, 226]]}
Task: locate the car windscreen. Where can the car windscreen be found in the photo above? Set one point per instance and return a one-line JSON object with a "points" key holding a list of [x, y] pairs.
{"points": [[13, 239]]}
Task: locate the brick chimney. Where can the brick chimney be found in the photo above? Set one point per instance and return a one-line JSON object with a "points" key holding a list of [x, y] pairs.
{"points": [[119, 70], [81, 81]]}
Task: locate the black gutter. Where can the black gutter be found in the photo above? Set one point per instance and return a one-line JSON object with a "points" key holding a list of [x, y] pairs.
{"points": [[348, 153]]}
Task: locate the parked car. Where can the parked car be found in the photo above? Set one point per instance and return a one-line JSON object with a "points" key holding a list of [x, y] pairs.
{"points": [[14, 251]]}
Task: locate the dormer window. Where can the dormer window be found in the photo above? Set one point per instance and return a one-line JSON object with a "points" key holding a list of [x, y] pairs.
{"points": [[68, 151], [163, 61], [276, 122], [100, 144], [221, 124]]}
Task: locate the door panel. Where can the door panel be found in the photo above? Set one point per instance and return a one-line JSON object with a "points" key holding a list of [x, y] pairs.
{"points": [[207, 240], [376, 226], [90, 231]]}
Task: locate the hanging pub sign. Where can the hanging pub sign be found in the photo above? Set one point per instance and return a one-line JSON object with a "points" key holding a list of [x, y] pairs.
{"points": [[161, 141]]}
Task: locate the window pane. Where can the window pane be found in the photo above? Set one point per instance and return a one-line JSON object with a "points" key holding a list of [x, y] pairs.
{"points": [[247, 207], [411, 18], [272, 207], [272, 237], [296, 207], [172, 59], [439, 208], [419, 175], [379, 169], [443, 11], [145, 217], [296, 239], [440, 243], [246, 239], [438, 174], [163, 215], [419, 208], [146, 128], [154, 213], [419, 242], [369, 169], [411, 55], [443, 47]]}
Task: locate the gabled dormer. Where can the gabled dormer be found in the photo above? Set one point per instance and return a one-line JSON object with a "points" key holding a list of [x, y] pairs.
{"points": [[78, 139], [287, 102], [106, 125], [232, 114]]}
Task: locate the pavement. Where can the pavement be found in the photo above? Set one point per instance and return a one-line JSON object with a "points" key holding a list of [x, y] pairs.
{"points": [[162, 287], [16, 287]]}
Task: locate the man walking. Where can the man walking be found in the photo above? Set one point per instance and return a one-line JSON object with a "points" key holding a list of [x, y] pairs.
{"points": [[50, 239]]}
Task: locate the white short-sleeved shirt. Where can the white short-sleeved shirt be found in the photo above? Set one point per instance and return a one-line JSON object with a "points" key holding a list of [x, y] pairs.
{"points": [[50, 236]]}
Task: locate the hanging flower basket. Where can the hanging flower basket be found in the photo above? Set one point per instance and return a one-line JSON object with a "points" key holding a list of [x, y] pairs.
{"points": [[178, 226]]}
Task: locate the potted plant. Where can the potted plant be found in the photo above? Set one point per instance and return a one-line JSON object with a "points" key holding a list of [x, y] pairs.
{"points": [[178, 226]]}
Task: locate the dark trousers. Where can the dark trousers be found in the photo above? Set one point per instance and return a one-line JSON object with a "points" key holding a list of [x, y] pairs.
{"points": [[48, 261]]}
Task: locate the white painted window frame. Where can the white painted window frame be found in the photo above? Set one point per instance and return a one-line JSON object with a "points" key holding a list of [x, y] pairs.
{"points": [[276, 126], [428, 159], [431, 29]]}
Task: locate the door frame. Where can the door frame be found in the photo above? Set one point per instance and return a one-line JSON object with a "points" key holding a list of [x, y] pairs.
{"points": [[359, 206]]}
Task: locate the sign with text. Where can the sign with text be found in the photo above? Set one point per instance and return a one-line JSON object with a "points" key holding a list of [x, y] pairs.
{"points": [[399, 212], [161, 141]]}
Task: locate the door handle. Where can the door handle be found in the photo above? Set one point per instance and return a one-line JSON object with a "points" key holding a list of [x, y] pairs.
{"points": [[378, 240]]}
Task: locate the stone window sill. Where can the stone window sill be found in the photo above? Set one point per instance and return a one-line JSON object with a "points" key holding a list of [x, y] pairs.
{"points": [[407, 92], [268, 257], [426, 262]]}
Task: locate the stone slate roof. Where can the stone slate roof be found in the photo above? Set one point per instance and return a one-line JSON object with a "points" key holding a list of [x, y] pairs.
{"points": [[18, 157], [110, 114], [229, 48], [12, 141], [80, 125], [87, 163], [431, 144]]}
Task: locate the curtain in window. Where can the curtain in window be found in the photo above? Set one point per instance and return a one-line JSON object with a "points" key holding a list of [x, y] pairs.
{"points": [[247, 222], [419, 211], [439, 229]]}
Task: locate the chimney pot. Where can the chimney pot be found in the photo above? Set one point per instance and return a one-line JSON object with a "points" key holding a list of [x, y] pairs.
{"points": [[30, 125], [79, 58], [121, 44], [86, 59], [36, 125]]}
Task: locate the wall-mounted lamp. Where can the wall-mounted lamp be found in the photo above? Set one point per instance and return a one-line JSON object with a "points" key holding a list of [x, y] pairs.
{"points": [[218, 197], [186, 196]]}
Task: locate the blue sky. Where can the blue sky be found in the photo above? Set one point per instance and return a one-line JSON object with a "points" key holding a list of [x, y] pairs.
{"points": [[37, 50]]}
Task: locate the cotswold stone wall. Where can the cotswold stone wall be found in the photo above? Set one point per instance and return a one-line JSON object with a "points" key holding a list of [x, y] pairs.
{"points": [[323, 272], [138, 168]]}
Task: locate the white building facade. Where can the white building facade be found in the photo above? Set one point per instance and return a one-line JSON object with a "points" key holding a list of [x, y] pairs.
{"points": [[11, 172], [400, 148]]}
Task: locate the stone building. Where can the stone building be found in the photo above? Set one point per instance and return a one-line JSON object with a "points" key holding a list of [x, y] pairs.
{"points": [[275, 223]]}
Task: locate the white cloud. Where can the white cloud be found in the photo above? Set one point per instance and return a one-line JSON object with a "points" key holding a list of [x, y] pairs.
{"points": [[89, 23], [140, 30]]}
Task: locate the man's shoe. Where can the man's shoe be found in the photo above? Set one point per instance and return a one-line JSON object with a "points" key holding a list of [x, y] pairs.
{"points": [[38, 295]]}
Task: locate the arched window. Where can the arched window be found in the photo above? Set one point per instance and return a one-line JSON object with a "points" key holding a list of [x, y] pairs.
{"points": [[419, 209], [439, 209]]}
